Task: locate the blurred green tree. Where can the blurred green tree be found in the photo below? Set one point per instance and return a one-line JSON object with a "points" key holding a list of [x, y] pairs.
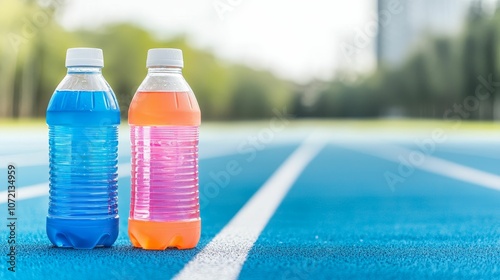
{"points": [[32, 64]]}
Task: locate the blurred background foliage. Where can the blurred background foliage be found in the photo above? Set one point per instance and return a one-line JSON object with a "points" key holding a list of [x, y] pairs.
{"points": [[32, 64], [440, 72]]}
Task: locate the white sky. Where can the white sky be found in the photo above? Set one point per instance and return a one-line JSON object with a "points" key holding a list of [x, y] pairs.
{"points": [[298, 40]]}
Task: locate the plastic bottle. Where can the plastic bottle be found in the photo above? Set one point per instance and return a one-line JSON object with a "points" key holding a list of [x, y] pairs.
{"points": [[83, 118], [164, 120]]}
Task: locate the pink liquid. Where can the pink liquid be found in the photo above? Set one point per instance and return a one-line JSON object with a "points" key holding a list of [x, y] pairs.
{"points": [[164, 173]]}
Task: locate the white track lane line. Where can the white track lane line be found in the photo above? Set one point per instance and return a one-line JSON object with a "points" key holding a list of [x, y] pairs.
{"points": [[224, 256], [430, 164], [43, 188]]}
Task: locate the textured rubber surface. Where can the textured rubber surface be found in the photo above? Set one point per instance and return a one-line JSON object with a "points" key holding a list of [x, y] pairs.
{"points": [[340, 220]]}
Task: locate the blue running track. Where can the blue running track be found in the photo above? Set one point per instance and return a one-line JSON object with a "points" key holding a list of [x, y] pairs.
{"points": [[341, 218]]}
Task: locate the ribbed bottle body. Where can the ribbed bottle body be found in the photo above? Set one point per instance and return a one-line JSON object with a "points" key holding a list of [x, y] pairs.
{"points": [[164, 173], [83, 173]]}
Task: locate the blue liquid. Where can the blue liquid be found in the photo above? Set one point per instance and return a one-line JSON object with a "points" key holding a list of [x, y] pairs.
{"points": [[83, 152]]}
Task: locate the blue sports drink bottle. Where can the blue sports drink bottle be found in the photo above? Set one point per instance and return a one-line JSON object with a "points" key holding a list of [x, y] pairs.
{"points": [[83, 117]]}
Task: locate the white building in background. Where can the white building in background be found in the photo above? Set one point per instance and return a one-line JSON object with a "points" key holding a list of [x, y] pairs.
{"points": [[401, 31]]}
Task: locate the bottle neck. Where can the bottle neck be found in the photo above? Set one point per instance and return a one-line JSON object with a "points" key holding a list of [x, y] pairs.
{"points": [[84, 70], [164, 70]]}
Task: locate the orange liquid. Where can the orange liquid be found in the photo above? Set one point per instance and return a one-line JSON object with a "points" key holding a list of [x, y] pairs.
{"points": [[164, 109], [151, 235]]}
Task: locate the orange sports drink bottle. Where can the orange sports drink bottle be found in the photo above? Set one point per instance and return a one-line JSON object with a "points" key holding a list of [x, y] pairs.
{"points": [[164, 119]]}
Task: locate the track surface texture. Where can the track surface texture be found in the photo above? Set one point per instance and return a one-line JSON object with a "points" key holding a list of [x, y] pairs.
{"points": [[297, 202]]}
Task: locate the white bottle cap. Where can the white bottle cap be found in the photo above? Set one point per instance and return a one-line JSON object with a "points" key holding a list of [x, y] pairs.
{"points": [[89, 57], [165, 57]]}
